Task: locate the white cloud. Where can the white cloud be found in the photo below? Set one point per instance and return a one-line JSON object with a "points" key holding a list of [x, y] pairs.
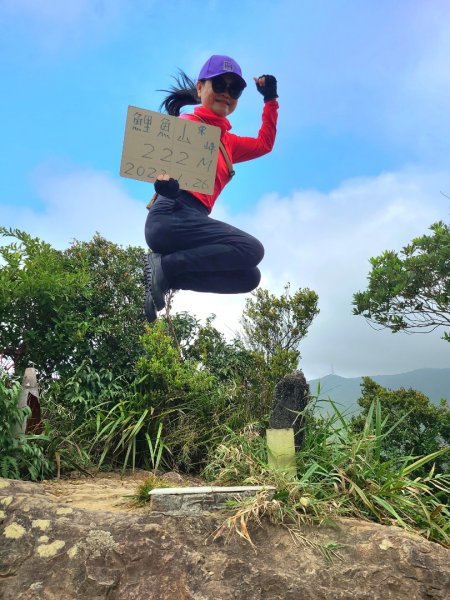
{"points": [[324, 242], [78, 203], [316, 240]]}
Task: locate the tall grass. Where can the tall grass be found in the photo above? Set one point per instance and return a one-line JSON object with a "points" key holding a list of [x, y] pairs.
{"points": [[339, 473]]}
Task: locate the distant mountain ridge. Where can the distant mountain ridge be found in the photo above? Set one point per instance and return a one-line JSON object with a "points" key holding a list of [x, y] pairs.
{"points": [[434, 383]]}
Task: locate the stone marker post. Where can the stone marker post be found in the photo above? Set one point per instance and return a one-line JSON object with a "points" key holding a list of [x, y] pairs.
{"points": [[285, 434], [29, 396]]}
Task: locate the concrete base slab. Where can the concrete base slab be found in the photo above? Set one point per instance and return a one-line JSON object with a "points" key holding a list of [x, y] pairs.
{"points": [[196, 500]]}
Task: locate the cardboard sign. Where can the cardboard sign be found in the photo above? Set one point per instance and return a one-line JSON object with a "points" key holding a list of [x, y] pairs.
{"points": [[157, 144]]}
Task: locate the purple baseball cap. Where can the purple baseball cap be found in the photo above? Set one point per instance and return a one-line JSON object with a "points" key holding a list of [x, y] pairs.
{"points": [[220, 65]]}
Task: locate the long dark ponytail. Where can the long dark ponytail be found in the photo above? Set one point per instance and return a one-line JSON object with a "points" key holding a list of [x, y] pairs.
{"points": [[183, 93]]}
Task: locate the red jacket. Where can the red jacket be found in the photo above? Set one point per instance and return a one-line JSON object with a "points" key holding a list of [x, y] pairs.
{"points": [[239, 148]]}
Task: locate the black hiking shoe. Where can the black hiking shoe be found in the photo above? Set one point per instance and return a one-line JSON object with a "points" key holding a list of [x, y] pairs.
{"points": [[151, 314], [155, 283]]}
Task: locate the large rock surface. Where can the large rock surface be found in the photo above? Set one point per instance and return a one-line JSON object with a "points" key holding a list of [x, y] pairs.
{"points": [[54, 551]]}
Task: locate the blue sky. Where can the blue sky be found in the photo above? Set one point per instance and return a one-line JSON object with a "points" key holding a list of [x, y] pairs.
{"points": [[361, 162]]}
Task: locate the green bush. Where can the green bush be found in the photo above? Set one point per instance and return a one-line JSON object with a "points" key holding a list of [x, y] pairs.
{"points": [[169, 414], [414, 426], [84, 387]]}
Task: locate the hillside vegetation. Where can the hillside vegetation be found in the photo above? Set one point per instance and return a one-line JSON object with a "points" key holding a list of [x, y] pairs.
{"points": [[176, 395]]}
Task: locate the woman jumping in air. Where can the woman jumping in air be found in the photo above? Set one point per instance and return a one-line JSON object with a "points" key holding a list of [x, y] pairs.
{"points": [[190, 250]]}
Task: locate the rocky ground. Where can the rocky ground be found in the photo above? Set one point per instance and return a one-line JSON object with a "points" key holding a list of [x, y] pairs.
{"points": [[81, 538]]}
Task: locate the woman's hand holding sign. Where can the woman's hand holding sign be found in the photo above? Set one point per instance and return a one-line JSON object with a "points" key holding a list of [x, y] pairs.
{"points": [[167, 186]]}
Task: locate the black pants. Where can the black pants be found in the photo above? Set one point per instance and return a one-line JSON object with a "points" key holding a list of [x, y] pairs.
{"points": [[200, 253]]}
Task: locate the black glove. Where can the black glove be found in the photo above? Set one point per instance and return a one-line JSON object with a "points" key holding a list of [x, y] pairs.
{"points": [[269, 89], [167, 187]]}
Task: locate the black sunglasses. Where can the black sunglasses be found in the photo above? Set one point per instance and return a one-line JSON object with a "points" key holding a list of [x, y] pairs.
{"points": [[220, 85]]}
